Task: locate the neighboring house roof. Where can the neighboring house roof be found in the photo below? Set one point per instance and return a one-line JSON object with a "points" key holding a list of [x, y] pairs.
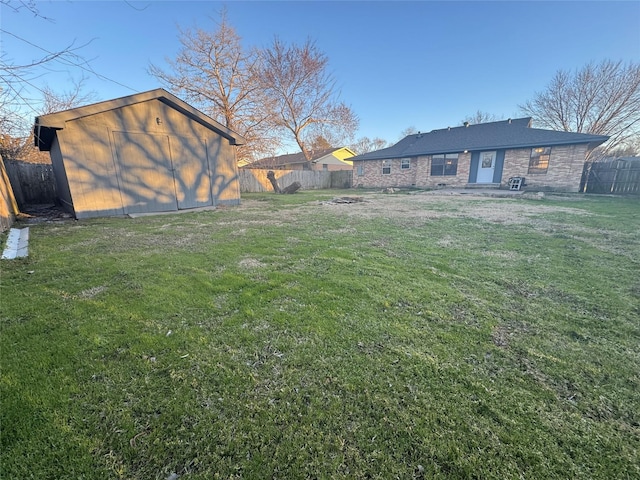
{"points": [[512, 133], [46, 125], [296, 158]]}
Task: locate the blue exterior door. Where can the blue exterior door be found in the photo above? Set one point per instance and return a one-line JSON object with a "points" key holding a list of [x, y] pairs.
{"points": [[486, 167]]}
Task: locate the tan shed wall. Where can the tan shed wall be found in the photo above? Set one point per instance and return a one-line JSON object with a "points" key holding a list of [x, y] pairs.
{"points": [[224, 172], [62, 184], [94, 176]]}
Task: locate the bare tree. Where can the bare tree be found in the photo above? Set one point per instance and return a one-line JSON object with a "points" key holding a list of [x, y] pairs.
{"points": [[631, 148], [74, 97], [408, 131], [214, 72], [17, 78], [20, 96], [320, 143], [480, 117], [303, 95], [601, 99], [15, 145], [366, 145]]}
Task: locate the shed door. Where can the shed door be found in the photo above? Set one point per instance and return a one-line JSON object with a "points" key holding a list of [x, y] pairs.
{"points": [[486, 167], [146, 172], [191, 172]]}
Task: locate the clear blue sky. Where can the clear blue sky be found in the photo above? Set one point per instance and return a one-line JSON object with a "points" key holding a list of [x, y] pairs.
{"points": [[398, 64]]}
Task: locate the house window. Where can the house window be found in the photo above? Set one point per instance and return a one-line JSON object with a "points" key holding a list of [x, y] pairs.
{"points": [[360, 170], [539, 161], [386, 167], [444, 164], [325, 167], [405, 163]]}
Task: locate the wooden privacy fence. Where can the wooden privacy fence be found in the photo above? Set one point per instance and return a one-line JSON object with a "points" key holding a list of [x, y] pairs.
{"points": [[255, 180], [620, 176], [33, 183]]}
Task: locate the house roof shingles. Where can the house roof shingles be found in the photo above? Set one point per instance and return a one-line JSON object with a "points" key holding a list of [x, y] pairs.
{"points": [[504, 134]]}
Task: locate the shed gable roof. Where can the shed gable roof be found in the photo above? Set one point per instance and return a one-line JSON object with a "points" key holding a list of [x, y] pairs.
{"points": [[515, 133], [46, 125]]}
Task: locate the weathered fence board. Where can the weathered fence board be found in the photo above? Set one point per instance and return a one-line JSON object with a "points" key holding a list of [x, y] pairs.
{"points": [[33, 183], [255, 180], [619, 176]]}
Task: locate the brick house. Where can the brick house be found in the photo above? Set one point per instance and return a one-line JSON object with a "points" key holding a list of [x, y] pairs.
{"points": [[486, 154], [328, 159]]}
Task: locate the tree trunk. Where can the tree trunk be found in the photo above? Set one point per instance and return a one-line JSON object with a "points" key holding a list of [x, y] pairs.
{"points": [[293, 188], [272, 178]]}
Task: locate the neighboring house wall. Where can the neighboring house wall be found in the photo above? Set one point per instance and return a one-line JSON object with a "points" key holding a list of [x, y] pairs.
{"points": [[327, 160], [331, 167], [335, 161]]}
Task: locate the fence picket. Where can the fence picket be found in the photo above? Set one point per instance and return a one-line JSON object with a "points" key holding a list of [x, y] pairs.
{"points": [[618, 176], [255, 180]]}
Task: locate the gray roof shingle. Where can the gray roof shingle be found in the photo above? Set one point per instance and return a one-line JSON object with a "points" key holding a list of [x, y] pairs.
{"points": [[504, 134]]}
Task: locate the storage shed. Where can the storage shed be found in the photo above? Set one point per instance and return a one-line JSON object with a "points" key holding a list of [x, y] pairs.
{"points": [[148, 152]]}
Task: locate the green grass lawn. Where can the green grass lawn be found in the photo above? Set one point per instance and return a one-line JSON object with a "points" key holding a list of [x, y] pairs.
{"points": [[409, 336]]}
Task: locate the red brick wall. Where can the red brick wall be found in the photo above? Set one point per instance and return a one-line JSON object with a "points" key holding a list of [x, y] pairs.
{"points": [[564, 172], [418, 174]]}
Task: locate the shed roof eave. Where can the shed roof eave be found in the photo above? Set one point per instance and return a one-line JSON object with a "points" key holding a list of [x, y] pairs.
{"points": [[233, 137], [58, 120]]}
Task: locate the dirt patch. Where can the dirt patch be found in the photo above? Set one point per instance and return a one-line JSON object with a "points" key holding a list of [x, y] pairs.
{"points": [[422, 206], [43, 213], [251, 263]]}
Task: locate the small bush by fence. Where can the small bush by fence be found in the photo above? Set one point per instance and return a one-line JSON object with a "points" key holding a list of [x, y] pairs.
{"points": [[620, 176], [33, 183], [255, 180]]}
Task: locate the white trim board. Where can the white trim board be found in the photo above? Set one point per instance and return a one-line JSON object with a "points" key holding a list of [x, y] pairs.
{"points": [[17, 244]]}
